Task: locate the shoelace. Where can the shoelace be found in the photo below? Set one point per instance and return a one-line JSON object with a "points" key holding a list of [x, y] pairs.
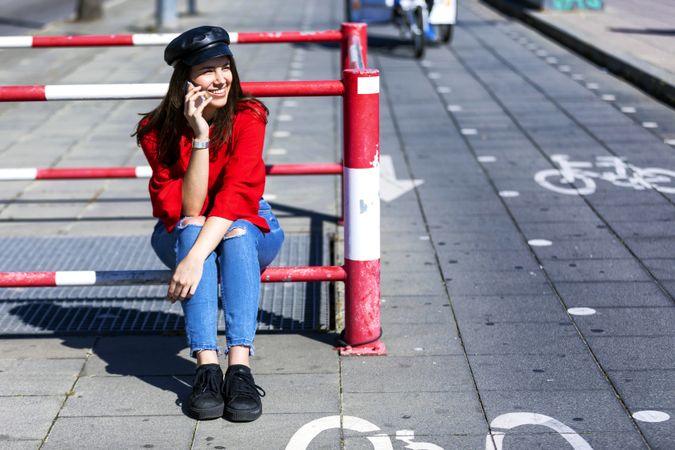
{"points": [[245, 387], [208, 379]]}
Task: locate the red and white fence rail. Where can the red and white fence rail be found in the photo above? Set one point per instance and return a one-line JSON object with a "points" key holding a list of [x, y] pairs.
{"points": [[134, 277], [44, 93], [82, 173], [150, 39], [359, 88], [352, 37]]}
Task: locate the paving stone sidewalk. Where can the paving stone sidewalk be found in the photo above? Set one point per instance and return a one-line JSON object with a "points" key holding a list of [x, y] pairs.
{"points": [[482, 265]]}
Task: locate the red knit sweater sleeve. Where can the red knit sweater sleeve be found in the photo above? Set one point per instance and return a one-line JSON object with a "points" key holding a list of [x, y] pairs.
{"points": [[166, 191], [244, 174]]}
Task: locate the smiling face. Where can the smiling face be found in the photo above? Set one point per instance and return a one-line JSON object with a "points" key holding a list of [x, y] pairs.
{"points": [[215, 78]]}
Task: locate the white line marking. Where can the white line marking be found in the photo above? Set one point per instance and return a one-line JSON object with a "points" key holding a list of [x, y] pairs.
{"points": [[651, 416], [277, 151], [581, 311], [628, 110], [670, 141], [444, 90], [454, 108], [564, 68], [552, 60], [509, 194], [267, 196], [577, 76], [281, 134], [424, 238], [426, 63], [608, 97], [540, 242], [434, 75], [295, 73], [290, 103], [285, 118], [650, 124], [486, 159], [542, 53], [592, 86], [469, 131]]}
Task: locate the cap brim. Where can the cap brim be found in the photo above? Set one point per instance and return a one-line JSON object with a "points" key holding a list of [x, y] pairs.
{"points": [[207, 53]]}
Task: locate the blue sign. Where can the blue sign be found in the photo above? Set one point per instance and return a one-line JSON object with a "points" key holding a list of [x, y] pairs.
{"points": [[569, 5]]}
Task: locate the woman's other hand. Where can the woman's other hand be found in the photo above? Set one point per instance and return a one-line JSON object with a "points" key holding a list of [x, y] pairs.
{"points": [[195, 102], [185, 279]]}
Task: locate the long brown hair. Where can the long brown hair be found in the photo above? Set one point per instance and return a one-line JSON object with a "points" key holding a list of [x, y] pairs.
{"points": [[171, 124]]}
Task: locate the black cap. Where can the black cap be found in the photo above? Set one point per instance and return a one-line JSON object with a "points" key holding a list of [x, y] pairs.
{"points": [[198, 45]]}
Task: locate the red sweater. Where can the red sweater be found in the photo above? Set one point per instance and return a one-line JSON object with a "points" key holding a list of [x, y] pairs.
{"points": [[236, 174]]}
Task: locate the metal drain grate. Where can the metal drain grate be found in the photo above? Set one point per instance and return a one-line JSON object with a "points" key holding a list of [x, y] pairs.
{"points": [[140, 309]]}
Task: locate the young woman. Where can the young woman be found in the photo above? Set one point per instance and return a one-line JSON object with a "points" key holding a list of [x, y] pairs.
{"points": [[204, 143]]}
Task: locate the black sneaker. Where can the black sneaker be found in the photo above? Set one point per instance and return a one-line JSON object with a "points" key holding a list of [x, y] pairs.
{"points": [[242, 395], [206, 401]]}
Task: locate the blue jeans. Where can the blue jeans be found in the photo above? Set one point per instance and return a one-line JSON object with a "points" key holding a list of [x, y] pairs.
{"points": [[238, 261]]}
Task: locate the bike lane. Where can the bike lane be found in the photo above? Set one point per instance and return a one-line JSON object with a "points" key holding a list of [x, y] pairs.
{"points": [[562, 301]]}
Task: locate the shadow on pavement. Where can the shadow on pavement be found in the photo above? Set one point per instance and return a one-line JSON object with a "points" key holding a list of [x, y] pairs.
{"points": [[148, 357], [652, 31], [153, 358]]}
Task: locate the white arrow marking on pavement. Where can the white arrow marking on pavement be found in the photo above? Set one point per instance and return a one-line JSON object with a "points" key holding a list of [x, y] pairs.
{"points": [[390, 187]]}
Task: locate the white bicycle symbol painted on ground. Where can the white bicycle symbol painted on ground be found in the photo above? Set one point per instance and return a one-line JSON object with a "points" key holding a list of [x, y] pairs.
{"points": [[576, 178], [302, 438]]}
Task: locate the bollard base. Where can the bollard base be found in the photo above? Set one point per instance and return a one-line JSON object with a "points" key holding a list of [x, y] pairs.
{"points": [[376, 348]]}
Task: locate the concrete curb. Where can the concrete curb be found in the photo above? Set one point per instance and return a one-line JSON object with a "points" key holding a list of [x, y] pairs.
{"points": [[653, 80]]}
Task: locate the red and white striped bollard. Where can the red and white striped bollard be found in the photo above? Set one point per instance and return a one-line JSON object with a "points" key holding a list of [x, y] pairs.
{"points": [[362, 212]]}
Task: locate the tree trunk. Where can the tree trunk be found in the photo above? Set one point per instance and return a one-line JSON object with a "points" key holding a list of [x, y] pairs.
{"points": [[89, 10]]}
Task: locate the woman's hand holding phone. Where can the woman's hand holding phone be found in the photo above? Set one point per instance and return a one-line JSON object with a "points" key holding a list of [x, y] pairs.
{"points": [[195, 102]]}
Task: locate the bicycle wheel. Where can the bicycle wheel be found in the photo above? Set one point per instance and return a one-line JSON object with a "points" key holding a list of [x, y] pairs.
{"points": [[418, 32], [558, 183], [348, 10], [662, 180], [446, 32]]}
